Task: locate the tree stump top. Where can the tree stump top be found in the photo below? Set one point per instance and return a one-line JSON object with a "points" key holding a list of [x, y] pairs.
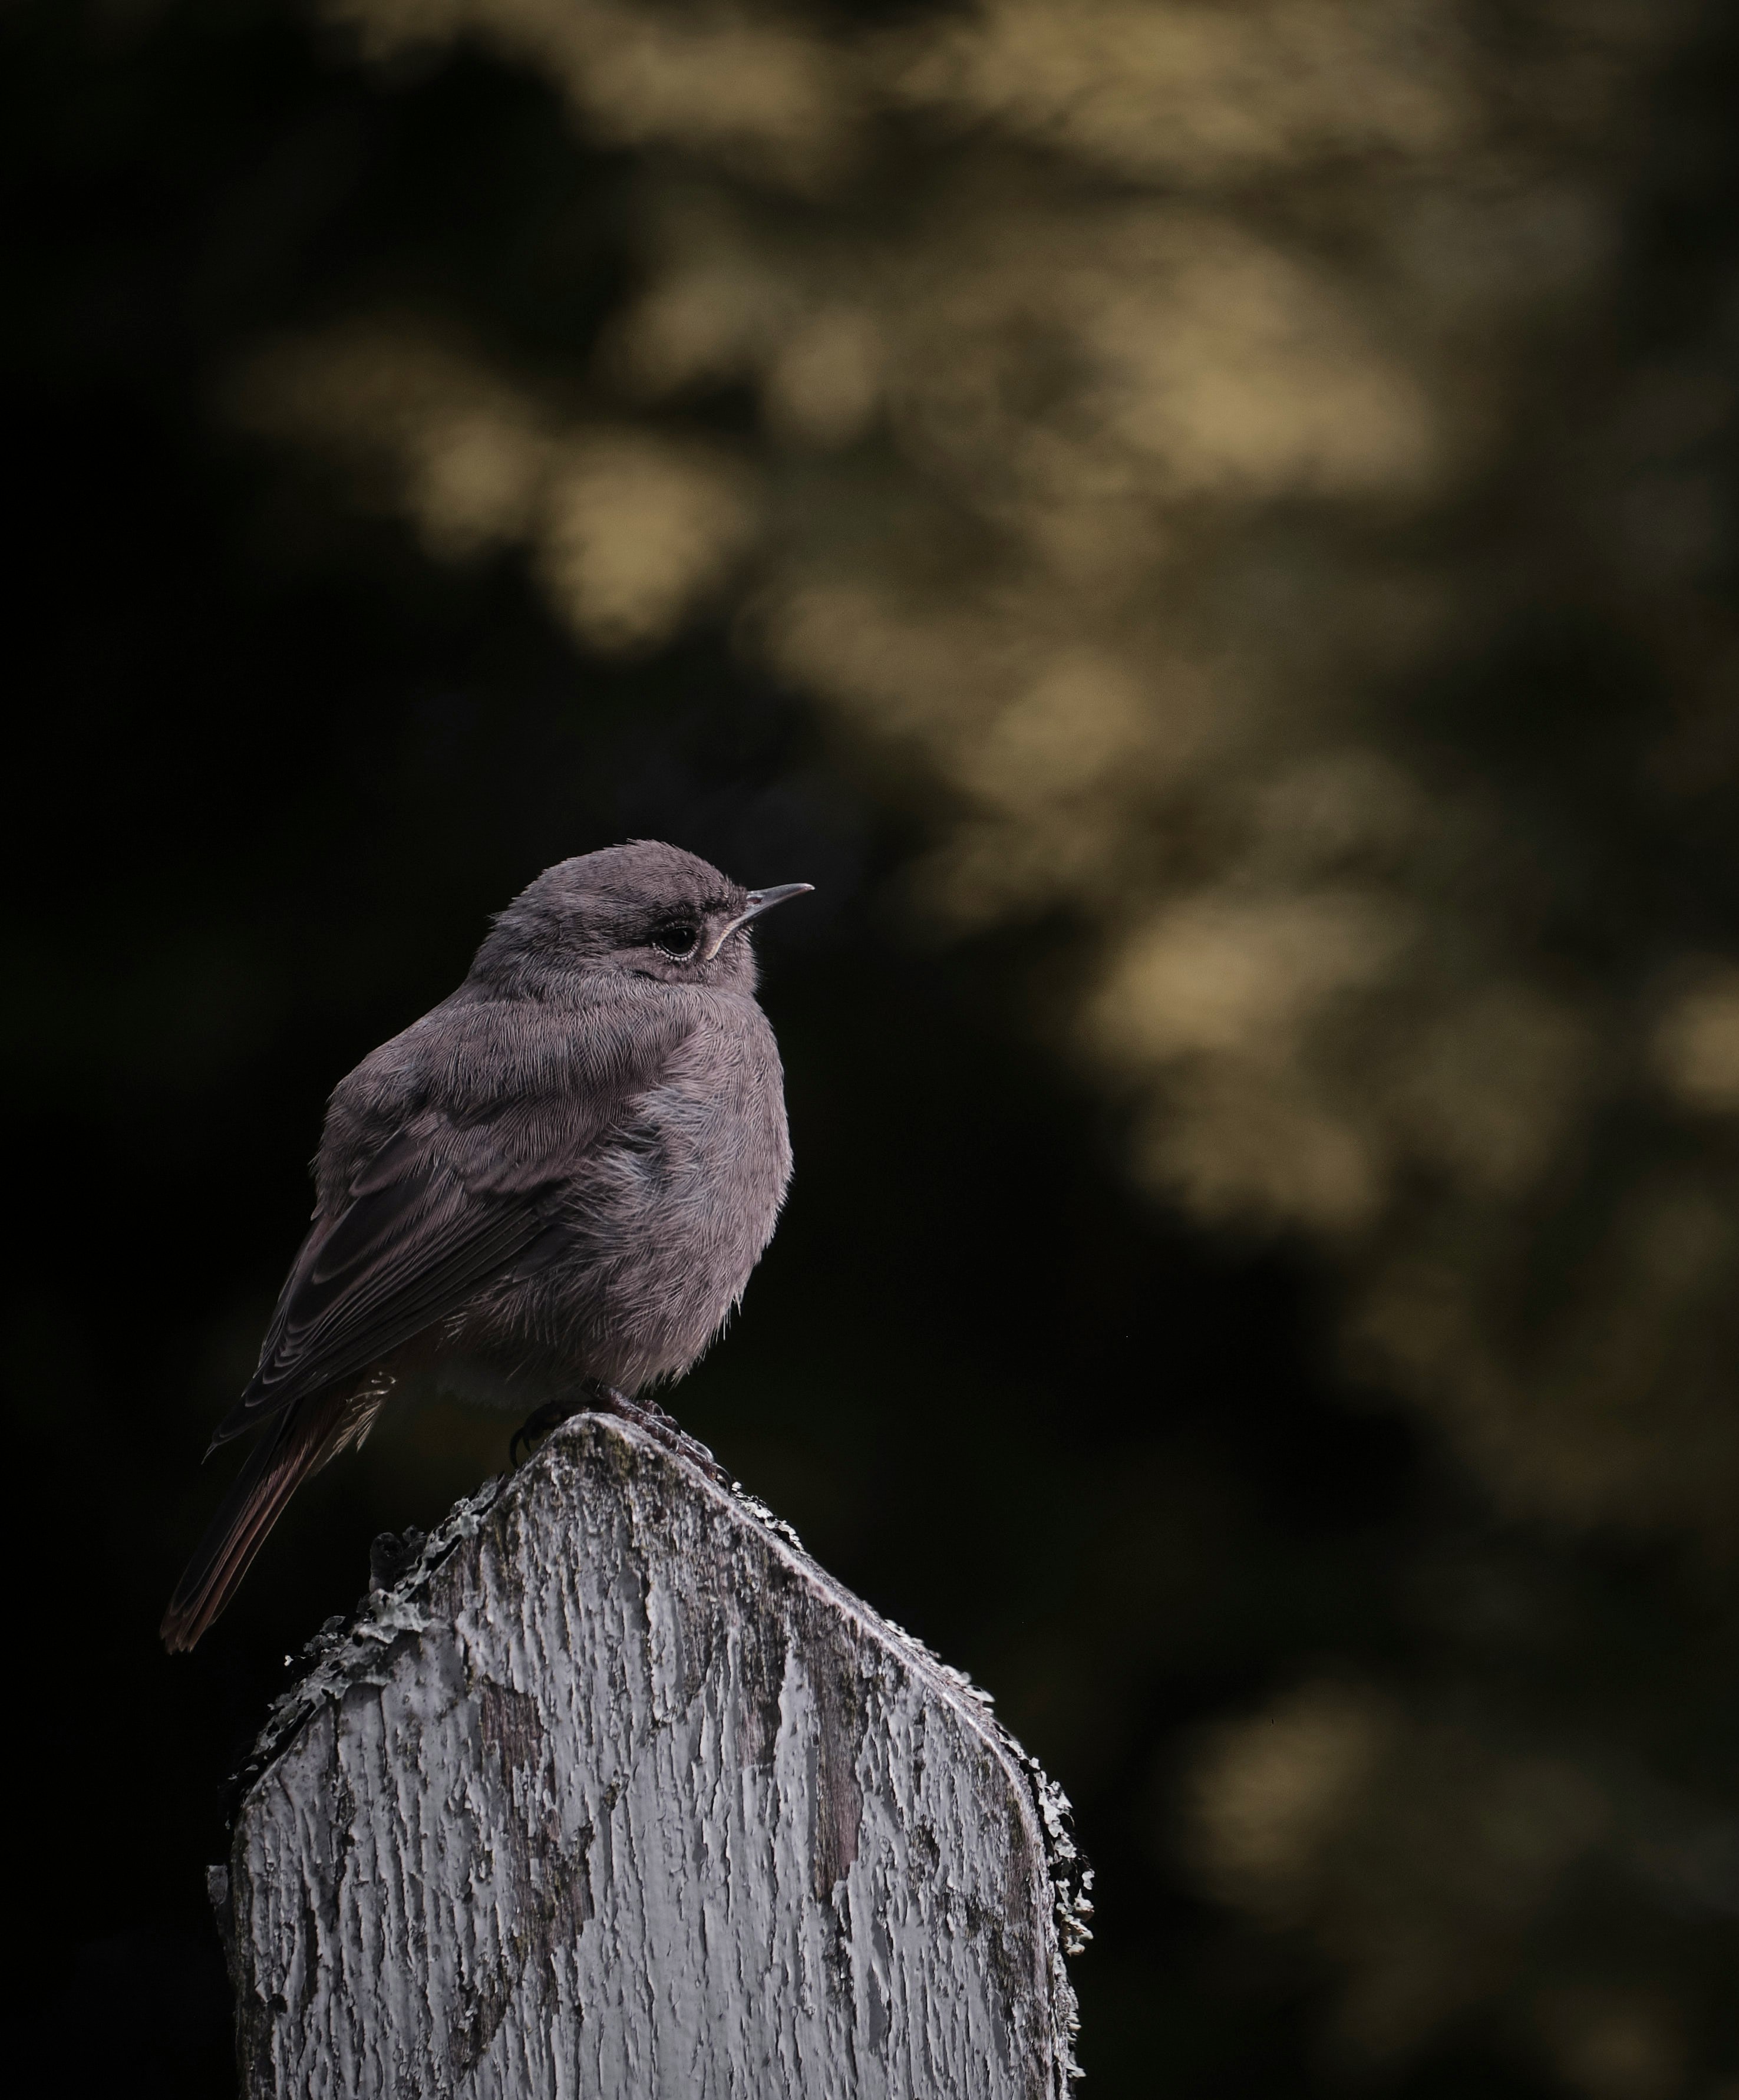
{"points": [[613, 1791]]}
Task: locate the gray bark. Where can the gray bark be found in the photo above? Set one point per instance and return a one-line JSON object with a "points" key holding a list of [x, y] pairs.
{"points": [[616, 1792]]}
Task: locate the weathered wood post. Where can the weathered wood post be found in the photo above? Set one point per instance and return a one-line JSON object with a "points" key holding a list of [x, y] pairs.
{"points": [[614, 1793]]}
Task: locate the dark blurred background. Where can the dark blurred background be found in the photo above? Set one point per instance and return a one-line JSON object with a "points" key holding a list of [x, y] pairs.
{"points": [[1207, 531]]}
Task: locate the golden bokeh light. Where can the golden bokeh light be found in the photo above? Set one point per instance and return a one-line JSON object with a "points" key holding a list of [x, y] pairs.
{"points": [[1120, 375]]}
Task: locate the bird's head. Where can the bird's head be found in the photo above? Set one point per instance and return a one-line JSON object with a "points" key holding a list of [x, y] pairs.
{"points": [[640, 909]]}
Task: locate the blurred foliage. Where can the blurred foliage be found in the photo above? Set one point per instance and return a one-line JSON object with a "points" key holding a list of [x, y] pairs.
{"points": [[1209, 530]]}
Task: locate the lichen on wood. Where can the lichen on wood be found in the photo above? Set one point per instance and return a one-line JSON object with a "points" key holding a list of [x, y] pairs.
{"points": [[613, 1792]]}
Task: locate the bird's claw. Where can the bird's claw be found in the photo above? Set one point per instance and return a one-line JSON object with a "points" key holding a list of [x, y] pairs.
{"points": [[539, 1422], [644, 1414]]}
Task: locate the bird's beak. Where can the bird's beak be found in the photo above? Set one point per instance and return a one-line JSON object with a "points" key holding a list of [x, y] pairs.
{"points": [[760, 901]]}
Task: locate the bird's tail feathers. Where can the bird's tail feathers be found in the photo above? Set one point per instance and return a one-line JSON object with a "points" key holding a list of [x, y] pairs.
{"points": [[298, 1444]]}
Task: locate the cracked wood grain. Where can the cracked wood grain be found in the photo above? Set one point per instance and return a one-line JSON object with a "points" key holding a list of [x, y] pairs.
{"points": [[617, 1793]]}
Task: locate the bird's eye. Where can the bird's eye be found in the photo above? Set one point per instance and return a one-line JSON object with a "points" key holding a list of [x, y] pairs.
{"points": [[676, 938]]}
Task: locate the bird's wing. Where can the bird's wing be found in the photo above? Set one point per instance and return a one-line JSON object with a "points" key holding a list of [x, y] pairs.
{"points": [[416, 1240], [447, 1201]]}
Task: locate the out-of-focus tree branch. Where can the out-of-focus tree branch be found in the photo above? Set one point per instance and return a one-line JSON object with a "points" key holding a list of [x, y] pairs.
{"points": [[1160, 444]]}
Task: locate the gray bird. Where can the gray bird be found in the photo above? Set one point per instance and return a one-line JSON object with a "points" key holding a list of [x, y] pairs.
{"points": [[548, 1191]]}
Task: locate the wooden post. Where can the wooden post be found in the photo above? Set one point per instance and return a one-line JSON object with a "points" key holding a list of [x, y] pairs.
{"points": [[614, 1793]]}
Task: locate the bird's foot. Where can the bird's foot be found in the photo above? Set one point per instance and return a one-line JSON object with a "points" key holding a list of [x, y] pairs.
{"points": [[648, 1416], [644, 1414], [540, 1421]]}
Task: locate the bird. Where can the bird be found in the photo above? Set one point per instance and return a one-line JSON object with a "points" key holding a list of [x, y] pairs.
{"points": [[548, 1192]]}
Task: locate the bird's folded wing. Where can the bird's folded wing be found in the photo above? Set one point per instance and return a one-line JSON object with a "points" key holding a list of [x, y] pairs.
{"points": [[447, 1196], [416, 1241]]}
